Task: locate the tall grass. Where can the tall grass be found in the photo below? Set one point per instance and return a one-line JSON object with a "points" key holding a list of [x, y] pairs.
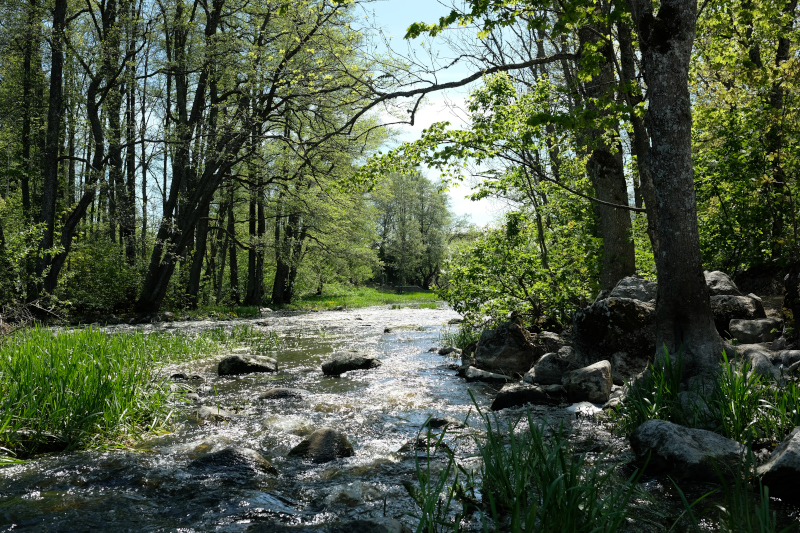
{"points": [[86, 387], [461, 336], [527, 482]]}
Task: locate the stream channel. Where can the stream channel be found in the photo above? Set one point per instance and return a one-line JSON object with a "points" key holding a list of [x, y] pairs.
{"points": [[151, 487]]}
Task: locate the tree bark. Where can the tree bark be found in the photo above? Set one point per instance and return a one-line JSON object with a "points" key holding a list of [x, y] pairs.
{"points": [[683, 313]]}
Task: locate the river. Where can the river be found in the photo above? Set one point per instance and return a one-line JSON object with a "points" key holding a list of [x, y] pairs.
{"points": [[151, 488]]}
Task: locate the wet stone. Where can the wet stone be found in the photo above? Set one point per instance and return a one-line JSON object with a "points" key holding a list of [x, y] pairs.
{"points": [[476, 374], [211, 414], [437, 422], [282, 393], [342, 362], [322, 446], [246, 364], [516, 394], [233, 460]]}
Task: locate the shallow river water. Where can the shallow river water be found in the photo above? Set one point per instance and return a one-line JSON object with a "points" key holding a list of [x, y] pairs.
{"points": [[150, 487]]}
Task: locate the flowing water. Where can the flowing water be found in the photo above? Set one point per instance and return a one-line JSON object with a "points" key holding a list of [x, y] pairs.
{"points": [[150, 488]]}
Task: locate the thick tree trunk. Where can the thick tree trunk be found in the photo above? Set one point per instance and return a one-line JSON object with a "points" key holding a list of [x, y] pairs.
{"points": [[234, 262], [683, 313], [251, 296]]}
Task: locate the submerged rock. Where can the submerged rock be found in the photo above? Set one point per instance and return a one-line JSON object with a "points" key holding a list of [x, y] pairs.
{"points": [[685, 453], [211, 414], [782, 470], [516, 394], [323, 445], [234, 460], [246, 364], [282, 393], [342, 362], [437, 422], [592, 383]]}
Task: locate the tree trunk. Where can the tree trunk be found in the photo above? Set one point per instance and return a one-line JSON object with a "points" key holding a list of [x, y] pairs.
{"points": [[605, 169], [52, 144], [683, 313], [234, 267], [195, 272]]}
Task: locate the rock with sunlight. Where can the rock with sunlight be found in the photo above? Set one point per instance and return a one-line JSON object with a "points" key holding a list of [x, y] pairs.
{"points": [[589, 384], [476, 374], [449, 350], [550, 369], [614, 325], [282, 393], [507, 349], [782, 471], [754, 331], [760, 360], [635, 288], [238, 364], [341, 362], [685, 453], [210, 414], [234, 460], [322, 446], [719, 283], [516, 394], [729, 307]]}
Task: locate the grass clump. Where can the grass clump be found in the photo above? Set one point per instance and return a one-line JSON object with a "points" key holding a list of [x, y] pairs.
{"points": [[461, 336], [84, 388], [735, 403]]}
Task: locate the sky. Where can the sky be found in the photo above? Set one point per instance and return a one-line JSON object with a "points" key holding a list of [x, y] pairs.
{"points": [[394, 17]]}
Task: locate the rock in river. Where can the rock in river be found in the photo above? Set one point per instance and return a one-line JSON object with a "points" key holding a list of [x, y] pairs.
{"points": [[476, 374], [515, 394], [342, 362], [214, 414], [589, 384], [323, 445], [685, 453], [282, 393], [506, 349], [246, 364], [234, 460]]}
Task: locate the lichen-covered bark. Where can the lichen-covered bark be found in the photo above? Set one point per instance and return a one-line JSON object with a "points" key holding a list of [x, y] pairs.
{"points": [[683, 314]]}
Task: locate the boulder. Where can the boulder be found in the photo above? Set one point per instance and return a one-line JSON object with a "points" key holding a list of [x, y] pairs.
{"points": [[754, 331], [614, 325], [322, 446], [684, 453], [282, 393], [506, 349], [719, 283], [476, 374], [341, 362], [437, 422], [246, 364], [552, 342], [549, 369], [234, 461], [782, 470], [515, 394], [635, 289], [590, 384], [625, 367], [213, 414], [449, 350], [729, 307]]}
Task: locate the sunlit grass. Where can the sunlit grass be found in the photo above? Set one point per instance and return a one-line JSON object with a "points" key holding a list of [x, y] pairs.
{"points": [[352, 297], [85, 388]]}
